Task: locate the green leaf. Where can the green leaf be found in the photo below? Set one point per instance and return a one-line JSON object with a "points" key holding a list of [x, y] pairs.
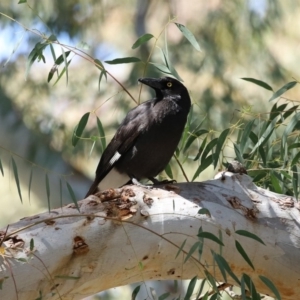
{"points": [[220, 265], [66, 64], [31, 247], [214, 296], [79, 128], [36, 53], [271, 286], [238, 153], [29, 184], [190, 288], [201, 289], [221, 260], [201, 148], [275, 183], [295, 181], [102, 134], [283, 89], [249, 235], [1, 168], [293, 146], [205, 164], [22, 1], [103, 72], [71, 192], [210, 236], [290, 111], [192, 250], [164, 296], [15, 171], [290, 127], [251, 287], [192, 137], [47, 191], [61, 73], [208, 148], [258, 82], [168, 171], [189, 36], [180, 249], [204, 211], [245, 135], [212, 281], [265, 136], [162, 68], [135, 292], [61, 58], [220, 143], [14, 49], [124, 60], [276, 111], [141, 40], [241, 250]]}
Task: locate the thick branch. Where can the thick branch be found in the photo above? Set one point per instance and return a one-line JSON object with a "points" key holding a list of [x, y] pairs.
{"points": [[136, 235]]}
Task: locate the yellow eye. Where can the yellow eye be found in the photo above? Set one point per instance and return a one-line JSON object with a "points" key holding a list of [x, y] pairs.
{"points": [[169, 84]]}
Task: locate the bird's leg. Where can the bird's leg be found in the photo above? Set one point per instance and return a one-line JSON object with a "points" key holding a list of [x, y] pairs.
{"points": [[137, 183], [155, 181]]}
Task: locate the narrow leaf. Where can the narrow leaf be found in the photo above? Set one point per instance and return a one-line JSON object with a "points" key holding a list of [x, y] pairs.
{"points": [[245, 135], [180, 249], [31, 244], [102, 134], [190, 288], [14, 49], [168, 171], [205, 164], [192, 250], [192, 137], [290, 127], [164, 296], [162, 68], [204, 211], [238, 153], [296, 182], [212, 281], [244, 254], [220, 143], [124, 60], [66, 64], [258, 82], [79, 128], [22, 1], [227, 268], [1, 168], [201, 288], [201, 148], [249, 235], [265, 136], [61, 73], [271, 286], [220, 265], [210, 236], [189, 36], [15, 171], [29, 184], [208, 148], [283, 89], [47, 191], [141, 40], [135, 292], [71, 192]]}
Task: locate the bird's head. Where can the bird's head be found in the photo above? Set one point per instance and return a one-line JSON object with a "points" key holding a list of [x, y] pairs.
{"points": [[166, 87]]}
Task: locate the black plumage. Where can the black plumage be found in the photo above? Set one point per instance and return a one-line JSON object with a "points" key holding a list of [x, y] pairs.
{"points": [[147, 138]]}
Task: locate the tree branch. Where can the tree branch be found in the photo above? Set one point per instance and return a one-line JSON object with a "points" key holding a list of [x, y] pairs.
{"points": [[133, 234]]}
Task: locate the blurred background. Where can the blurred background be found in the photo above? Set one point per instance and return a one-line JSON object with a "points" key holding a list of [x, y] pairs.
{"points": [[254, 38]]}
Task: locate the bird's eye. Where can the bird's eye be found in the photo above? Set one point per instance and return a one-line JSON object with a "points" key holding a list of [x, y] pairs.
{"points": [[169, 84]]}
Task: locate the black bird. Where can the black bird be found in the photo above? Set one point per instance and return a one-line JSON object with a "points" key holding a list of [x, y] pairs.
{"points": [[146, 139]]}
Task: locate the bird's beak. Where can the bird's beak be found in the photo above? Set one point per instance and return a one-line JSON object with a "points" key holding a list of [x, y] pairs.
{"points": [[152, 82]]}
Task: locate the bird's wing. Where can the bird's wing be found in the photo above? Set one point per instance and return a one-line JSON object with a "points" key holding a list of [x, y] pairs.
{"points": [[123, 140]]}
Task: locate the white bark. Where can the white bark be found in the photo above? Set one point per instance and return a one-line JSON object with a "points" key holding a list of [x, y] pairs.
{"points": [[76, 255]]}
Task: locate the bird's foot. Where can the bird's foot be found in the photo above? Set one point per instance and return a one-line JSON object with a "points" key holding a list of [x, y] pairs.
{"points": [[166, 181], [137, 183]]}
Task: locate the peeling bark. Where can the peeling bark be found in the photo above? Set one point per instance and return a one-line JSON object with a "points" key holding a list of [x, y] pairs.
{"points": [[133, 234]]}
